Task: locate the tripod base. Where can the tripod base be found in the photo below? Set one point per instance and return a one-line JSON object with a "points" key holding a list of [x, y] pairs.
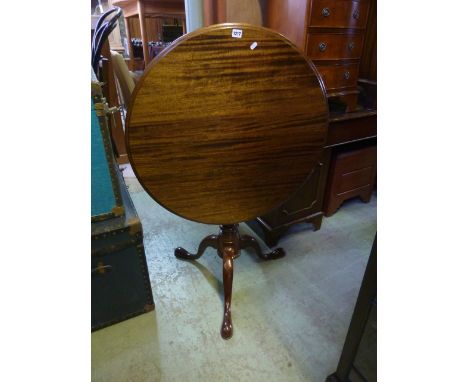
{"points": [[228, 243]]}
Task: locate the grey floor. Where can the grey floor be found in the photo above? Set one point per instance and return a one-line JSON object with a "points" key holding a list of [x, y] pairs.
{"points": [[290, 315]]}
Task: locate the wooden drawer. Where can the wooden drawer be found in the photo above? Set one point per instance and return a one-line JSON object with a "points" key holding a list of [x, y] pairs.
{"points": [[331, 46], [344, 130], [339, 14], [355, 160], [339, 76], [356, 179], [352, 174]]}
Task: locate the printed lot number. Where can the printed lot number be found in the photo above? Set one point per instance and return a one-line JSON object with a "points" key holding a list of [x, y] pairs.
{"points": [[237, 33]]}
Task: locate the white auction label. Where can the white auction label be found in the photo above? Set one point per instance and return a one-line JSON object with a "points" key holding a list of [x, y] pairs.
{"points": [[237, 33]]}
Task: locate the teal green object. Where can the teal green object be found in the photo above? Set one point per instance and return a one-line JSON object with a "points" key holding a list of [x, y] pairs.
{"points": [[102, 193]]}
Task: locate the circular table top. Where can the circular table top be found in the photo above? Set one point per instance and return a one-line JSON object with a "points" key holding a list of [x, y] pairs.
{"points": [[226, 123]]}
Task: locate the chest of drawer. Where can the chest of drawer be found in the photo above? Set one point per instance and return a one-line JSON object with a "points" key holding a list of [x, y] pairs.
{"points": [[338, 14], [339, 76], [334, 46]]}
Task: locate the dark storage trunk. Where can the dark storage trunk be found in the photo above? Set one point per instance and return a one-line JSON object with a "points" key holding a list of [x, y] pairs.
{"points": [[120, 285]]}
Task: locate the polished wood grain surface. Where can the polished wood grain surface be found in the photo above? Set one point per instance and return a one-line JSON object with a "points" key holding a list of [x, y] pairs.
{"points": [[223, 129]]}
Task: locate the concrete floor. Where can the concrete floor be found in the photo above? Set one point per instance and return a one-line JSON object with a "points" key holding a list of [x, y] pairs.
{"points": [[290, 315]]}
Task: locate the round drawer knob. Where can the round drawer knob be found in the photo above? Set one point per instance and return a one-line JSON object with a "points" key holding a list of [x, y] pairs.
{"points": [[322, 46], [351, 46], [325, 12], [356, 14], [347, 75]]}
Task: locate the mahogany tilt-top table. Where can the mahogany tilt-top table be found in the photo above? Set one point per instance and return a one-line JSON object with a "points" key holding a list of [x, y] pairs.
{"points": [[225, 124]]}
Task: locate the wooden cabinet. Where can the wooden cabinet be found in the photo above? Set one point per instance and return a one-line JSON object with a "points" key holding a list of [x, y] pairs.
{"points": [[331, 33], [144, 19]]}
